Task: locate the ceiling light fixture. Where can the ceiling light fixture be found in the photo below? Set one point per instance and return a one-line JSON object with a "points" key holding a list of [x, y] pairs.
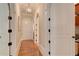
{"points": [[29, 10]]}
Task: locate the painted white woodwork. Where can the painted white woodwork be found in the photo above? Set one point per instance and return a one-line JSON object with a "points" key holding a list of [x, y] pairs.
{"points": [[4, 26], [62, 29]]}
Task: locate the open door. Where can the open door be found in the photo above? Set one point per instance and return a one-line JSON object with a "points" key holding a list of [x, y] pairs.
{"points": [[4, 25], [63, 29]]}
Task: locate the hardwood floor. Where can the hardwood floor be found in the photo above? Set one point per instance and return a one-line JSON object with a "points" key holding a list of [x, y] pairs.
{"points": [[28, 48]]}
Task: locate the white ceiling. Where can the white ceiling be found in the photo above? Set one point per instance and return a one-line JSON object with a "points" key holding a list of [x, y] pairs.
{"points": [[25, 6]]}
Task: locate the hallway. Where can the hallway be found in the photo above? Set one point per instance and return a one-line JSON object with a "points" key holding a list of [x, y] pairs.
{"points": [[29, 29], [28, 48]]}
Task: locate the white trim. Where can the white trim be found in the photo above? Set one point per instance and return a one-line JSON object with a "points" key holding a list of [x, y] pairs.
{"points": [[26, 39], [42, 50], [18, 47]]}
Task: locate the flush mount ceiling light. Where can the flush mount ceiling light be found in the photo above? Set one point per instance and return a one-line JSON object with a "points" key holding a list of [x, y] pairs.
{"points": [[29, 10]]}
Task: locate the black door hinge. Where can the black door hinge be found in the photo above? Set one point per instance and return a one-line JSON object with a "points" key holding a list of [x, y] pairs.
{"points": [[49, 30], [10, 55], [73, 36], [10, 43], [49, 41], [49, 52], [49, 19], [10, 30], [10, 17]]}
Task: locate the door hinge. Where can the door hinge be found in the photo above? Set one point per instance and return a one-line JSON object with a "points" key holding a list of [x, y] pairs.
{"points": [[10, 30], [49, 19], [49, 41], [10, 43], [49, 30], [49, 52], [10, 17]]}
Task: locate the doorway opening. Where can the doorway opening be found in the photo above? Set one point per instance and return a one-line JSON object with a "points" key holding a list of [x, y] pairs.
{"points": [[27, 29]]}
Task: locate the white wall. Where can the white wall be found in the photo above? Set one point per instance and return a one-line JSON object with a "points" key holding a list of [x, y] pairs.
{"points": [[27, 28]]}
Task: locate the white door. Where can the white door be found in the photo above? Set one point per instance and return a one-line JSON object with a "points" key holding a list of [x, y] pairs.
{"points": [[63, 28], [27, 28], [4, 26]]}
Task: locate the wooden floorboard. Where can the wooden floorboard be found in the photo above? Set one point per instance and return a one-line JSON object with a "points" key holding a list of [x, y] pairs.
{"points": [[28, 48]]}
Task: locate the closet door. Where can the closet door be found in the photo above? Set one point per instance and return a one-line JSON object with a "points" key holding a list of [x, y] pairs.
{"points": [[4, 26], [63, 28]]}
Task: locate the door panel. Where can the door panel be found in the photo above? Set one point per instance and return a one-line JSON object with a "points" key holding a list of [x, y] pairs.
{"points": [[63, 28], [27, 28], [4, 25]]}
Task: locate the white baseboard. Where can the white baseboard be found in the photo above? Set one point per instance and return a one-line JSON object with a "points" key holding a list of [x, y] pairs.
{"points": [[42, 50], [18, 47]]}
